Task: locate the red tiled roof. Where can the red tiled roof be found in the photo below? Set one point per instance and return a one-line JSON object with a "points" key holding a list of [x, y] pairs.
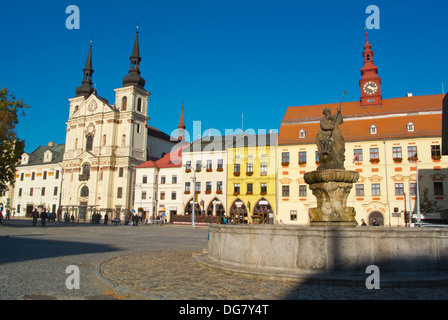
{"points": [[170, 160], [388, 123]]}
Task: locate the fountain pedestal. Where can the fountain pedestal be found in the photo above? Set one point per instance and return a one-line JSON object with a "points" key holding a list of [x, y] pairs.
{"points": [[331, 187]]}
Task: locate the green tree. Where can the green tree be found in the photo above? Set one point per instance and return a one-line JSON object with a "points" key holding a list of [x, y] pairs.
{"points": [[426, 205], [11, 147]]}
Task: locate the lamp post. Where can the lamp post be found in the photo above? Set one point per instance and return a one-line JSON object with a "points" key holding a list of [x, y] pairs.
{"points": [[417, 191], [198, 166]]}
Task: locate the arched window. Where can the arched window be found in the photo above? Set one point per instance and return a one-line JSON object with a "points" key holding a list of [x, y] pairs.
{"points": [[86, 169], [84, 192], [124, 103], [89, 143], [139, 105]]}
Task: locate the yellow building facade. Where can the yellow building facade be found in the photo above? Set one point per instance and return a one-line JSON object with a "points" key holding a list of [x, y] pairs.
{"points": [[251, 180]]}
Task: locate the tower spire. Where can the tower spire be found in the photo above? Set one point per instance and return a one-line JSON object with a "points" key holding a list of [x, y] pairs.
{"points": [[86, 88], [370, 82], [181, 128], [134, 78]]}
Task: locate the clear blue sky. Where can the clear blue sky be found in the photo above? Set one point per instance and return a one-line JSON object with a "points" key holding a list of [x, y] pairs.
{"points": [[222, 57]]}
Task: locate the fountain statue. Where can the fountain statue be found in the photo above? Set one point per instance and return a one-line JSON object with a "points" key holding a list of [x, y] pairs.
{"points": [[331, 183]]}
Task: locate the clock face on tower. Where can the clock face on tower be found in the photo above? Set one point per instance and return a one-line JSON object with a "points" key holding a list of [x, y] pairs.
{"points": [[370, 87]]}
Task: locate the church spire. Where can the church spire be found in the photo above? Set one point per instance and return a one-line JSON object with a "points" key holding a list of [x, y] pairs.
{"points": [[86, 88], [134, 78], [181, 128]]}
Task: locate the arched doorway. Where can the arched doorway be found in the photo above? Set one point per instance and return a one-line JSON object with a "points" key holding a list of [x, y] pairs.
{"points": [[261, 211], [215, 208], [378, 216], [238, 212], [189, 208]]}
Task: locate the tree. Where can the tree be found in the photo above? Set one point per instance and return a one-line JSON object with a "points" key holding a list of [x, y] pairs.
{"points": [[426, 205], [11, 147]]}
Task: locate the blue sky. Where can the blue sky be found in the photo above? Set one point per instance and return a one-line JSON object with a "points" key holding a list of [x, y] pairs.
{"points": [[223, 58]]}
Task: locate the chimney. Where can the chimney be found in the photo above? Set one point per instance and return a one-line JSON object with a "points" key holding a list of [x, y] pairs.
{"points": [[51, 144]]}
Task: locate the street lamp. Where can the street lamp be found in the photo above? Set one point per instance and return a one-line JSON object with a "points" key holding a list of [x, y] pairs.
{"points": [[198, 166], [418, 195]]}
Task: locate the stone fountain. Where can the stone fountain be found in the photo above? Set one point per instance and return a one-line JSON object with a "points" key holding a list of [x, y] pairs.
{"points": [[331, 183]]}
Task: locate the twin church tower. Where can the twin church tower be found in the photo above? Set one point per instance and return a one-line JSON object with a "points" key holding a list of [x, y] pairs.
{"points": [[104, 143]]}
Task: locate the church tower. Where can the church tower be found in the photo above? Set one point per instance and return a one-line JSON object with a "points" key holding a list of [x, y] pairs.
{"points": [[370, 82], [181, 128]]}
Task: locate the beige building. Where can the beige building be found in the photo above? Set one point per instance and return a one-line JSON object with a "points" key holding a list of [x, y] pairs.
{"points": [[390, 142]]}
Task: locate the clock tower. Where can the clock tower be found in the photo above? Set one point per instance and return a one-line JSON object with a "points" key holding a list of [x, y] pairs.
{"points": [[370, 83]]}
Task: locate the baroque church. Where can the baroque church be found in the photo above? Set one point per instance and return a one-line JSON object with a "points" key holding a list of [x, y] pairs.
{"points": [[105, 143]]}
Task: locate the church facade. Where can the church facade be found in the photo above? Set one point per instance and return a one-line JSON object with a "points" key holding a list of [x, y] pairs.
{"points": [[106, 142]]}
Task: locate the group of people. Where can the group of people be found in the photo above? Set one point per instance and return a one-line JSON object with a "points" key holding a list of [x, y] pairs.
{"points": [[7, 216], [43, 215]]}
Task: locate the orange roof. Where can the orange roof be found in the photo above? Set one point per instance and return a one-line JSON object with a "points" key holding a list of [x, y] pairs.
{"points": [[170, 160], [390, 119]]}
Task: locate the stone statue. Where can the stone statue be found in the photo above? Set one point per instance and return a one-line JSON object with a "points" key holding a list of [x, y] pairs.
{"points": [[330, 142]]}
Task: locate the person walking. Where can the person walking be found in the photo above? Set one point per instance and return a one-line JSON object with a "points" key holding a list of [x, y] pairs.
{"points": [[43, 217], [35, 216]]}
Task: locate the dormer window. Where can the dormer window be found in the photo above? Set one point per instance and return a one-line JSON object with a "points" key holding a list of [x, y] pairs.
{"points": [[410, 127], [48, 156], [373, 129], [25, 159], [302, 134]]}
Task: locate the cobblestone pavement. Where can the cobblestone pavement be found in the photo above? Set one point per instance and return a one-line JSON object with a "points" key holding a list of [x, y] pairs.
{"points": [[147, 262]]}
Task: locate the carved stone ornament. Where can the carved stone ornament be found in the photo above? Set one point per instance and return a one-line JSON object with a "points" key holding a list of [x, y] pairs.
{"points": [[93, 105]]}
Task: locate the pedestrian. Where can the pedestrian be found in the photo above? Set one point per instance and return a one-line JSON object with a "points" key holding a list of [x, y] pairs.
{"points": [[363, 223], [43, 217], [35, 215], [1, 217], [106, 218], [375, 223]]}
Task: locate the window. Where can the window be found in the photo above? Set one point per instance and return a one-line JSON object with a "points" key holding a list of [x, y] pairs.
{"points": [[250, 188], [119, 193], [373, 129], [219, 186], [302, 134], [57, 174], [44, 176], [374, 154], [264, 168], [198, 165], [376, 191], [85, 192], [285, 157], [435, 152], [236, 168], [208, 186], [42, 191], [31, 192], [285, 191], [357, 155], [399, 189], [236, 188], [120, 172], [438, 188], [162, 180], [293, 215], [396, 153], [263, 187], [20, 192], [188, 165], [173, 195], [162, 195], [139, 105], [124, 103], [145, 179], [360, 190], [250, 167], [174, 180], [302, 190], [410, 127], [33, 175], [138, 127], [412, 153], [187, 187], [220, 164], [143, 195], [413, 187], [209, 165], [21, 176], [89, 142], [302, 157], [198, 186], [55, 191]]}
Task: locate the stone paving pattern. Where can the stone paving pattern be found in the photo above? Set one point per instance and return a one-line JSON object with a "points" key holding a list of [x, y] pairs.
{"points": [[147, 262]]}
